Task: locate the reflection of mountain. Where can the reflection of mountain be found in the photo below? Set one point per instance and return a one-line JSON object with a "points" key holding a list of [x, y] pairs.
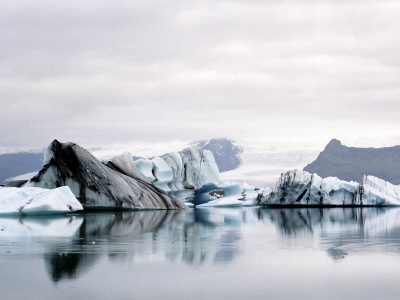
{"points": [[342, 230]]}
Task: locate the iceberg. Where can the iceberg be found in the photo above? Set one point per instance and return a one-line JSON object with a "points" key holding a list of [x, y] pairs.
{"points": [[189, 169], [37, 201], [174, 161], [98, 186], [231, 201], [378, 191], [192, 169], [250, 198], [125, 165], [200, 168], [296, 188], [145, 166], [162, 172]]}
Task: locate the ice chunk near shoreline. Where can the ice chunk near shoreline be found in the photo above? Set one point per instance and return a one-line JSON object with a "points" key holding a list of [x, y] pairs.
{"points": [[145, 166], [37, 201]]}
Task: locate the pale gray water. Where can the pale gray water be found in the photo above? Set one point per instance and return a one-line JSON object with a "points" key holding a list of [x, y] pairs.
{"points": [[238, 253]]}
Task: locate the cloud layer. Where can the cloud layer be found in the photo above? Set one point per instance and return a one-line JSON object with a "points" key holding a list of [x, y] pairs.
{"points": [[102, 73]]}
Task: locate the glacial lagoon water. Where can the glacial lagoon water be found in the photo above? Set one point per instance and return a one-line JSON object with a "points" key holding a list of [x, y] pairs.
{"points": [[214, 253]]}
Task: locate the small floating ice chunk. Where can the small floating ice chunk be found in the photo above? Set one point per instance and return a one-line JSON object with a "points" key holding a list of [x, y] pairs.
{"points": [[36, 201], [231, 201]]}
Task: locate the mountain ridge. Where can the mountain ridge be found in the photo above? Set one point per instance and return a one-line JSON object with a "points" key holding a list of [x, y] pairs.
{"points": [[352, 163]]}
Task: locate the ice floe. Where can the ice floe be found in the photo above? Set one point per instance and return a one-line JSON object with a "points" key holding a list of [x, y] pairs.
{"points": [[36, 201]]}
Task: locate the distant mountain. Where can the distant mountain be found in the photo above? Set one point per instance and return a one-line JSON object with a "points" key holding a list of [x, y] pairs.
{"points": [[350, 163], [226, 152], [13, 164]]}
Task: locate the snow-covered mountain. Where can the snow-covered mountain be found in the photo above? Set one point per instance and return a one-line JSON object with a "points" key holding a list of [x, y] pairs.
{"points": [[226, 152]]}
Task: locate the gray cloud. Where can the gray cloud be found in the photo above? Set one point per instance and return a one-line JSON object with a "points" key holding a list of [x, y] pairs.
{"points": [[101, 73]]}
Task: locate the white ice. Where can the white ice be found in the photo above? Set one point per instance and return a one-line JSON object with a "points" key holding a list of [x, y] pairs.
{"points": [[379, 191], [37, 201], [145, 166], [190, 169], [231, 201], [174, 161], [161, 170]]}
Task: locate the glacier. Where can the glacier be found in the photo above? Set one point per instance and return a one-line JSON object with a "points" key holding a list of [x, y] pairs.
{"points": [[37, 201], [300, 188], [117, 185]]}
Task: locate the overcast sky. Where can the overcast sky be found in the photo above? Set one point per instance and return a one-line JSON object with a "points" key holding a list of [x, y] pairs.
{"points": [[106, 72]]}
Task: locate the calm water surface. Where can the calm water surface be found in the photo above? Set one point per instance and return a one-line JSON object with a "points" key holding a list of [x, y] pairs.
{"points": [[238, 253]]}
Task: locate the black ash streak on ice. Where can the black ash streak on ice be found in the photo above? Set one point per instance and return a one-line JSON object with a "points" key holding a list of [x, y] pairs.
{"points": [[90, 180], [299, 188]]}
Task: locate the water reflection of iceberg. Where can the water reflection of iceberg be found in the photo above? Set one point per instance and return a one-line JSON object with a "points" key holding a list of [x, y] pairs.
{"points": [[99, 234], [71, 245], [39, 226], [341, 231], [206, 236], [191, 236]]}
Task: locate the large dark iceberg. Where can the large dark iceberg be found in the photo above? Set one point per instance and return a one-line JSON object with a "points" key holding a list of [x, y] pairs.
{"points": [[98, 186]]}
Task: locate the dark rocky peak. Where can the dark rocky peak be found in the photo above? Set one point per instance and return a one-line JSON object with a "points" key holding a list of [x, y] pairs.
{"points": [[352, 163], [334, 144]]}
